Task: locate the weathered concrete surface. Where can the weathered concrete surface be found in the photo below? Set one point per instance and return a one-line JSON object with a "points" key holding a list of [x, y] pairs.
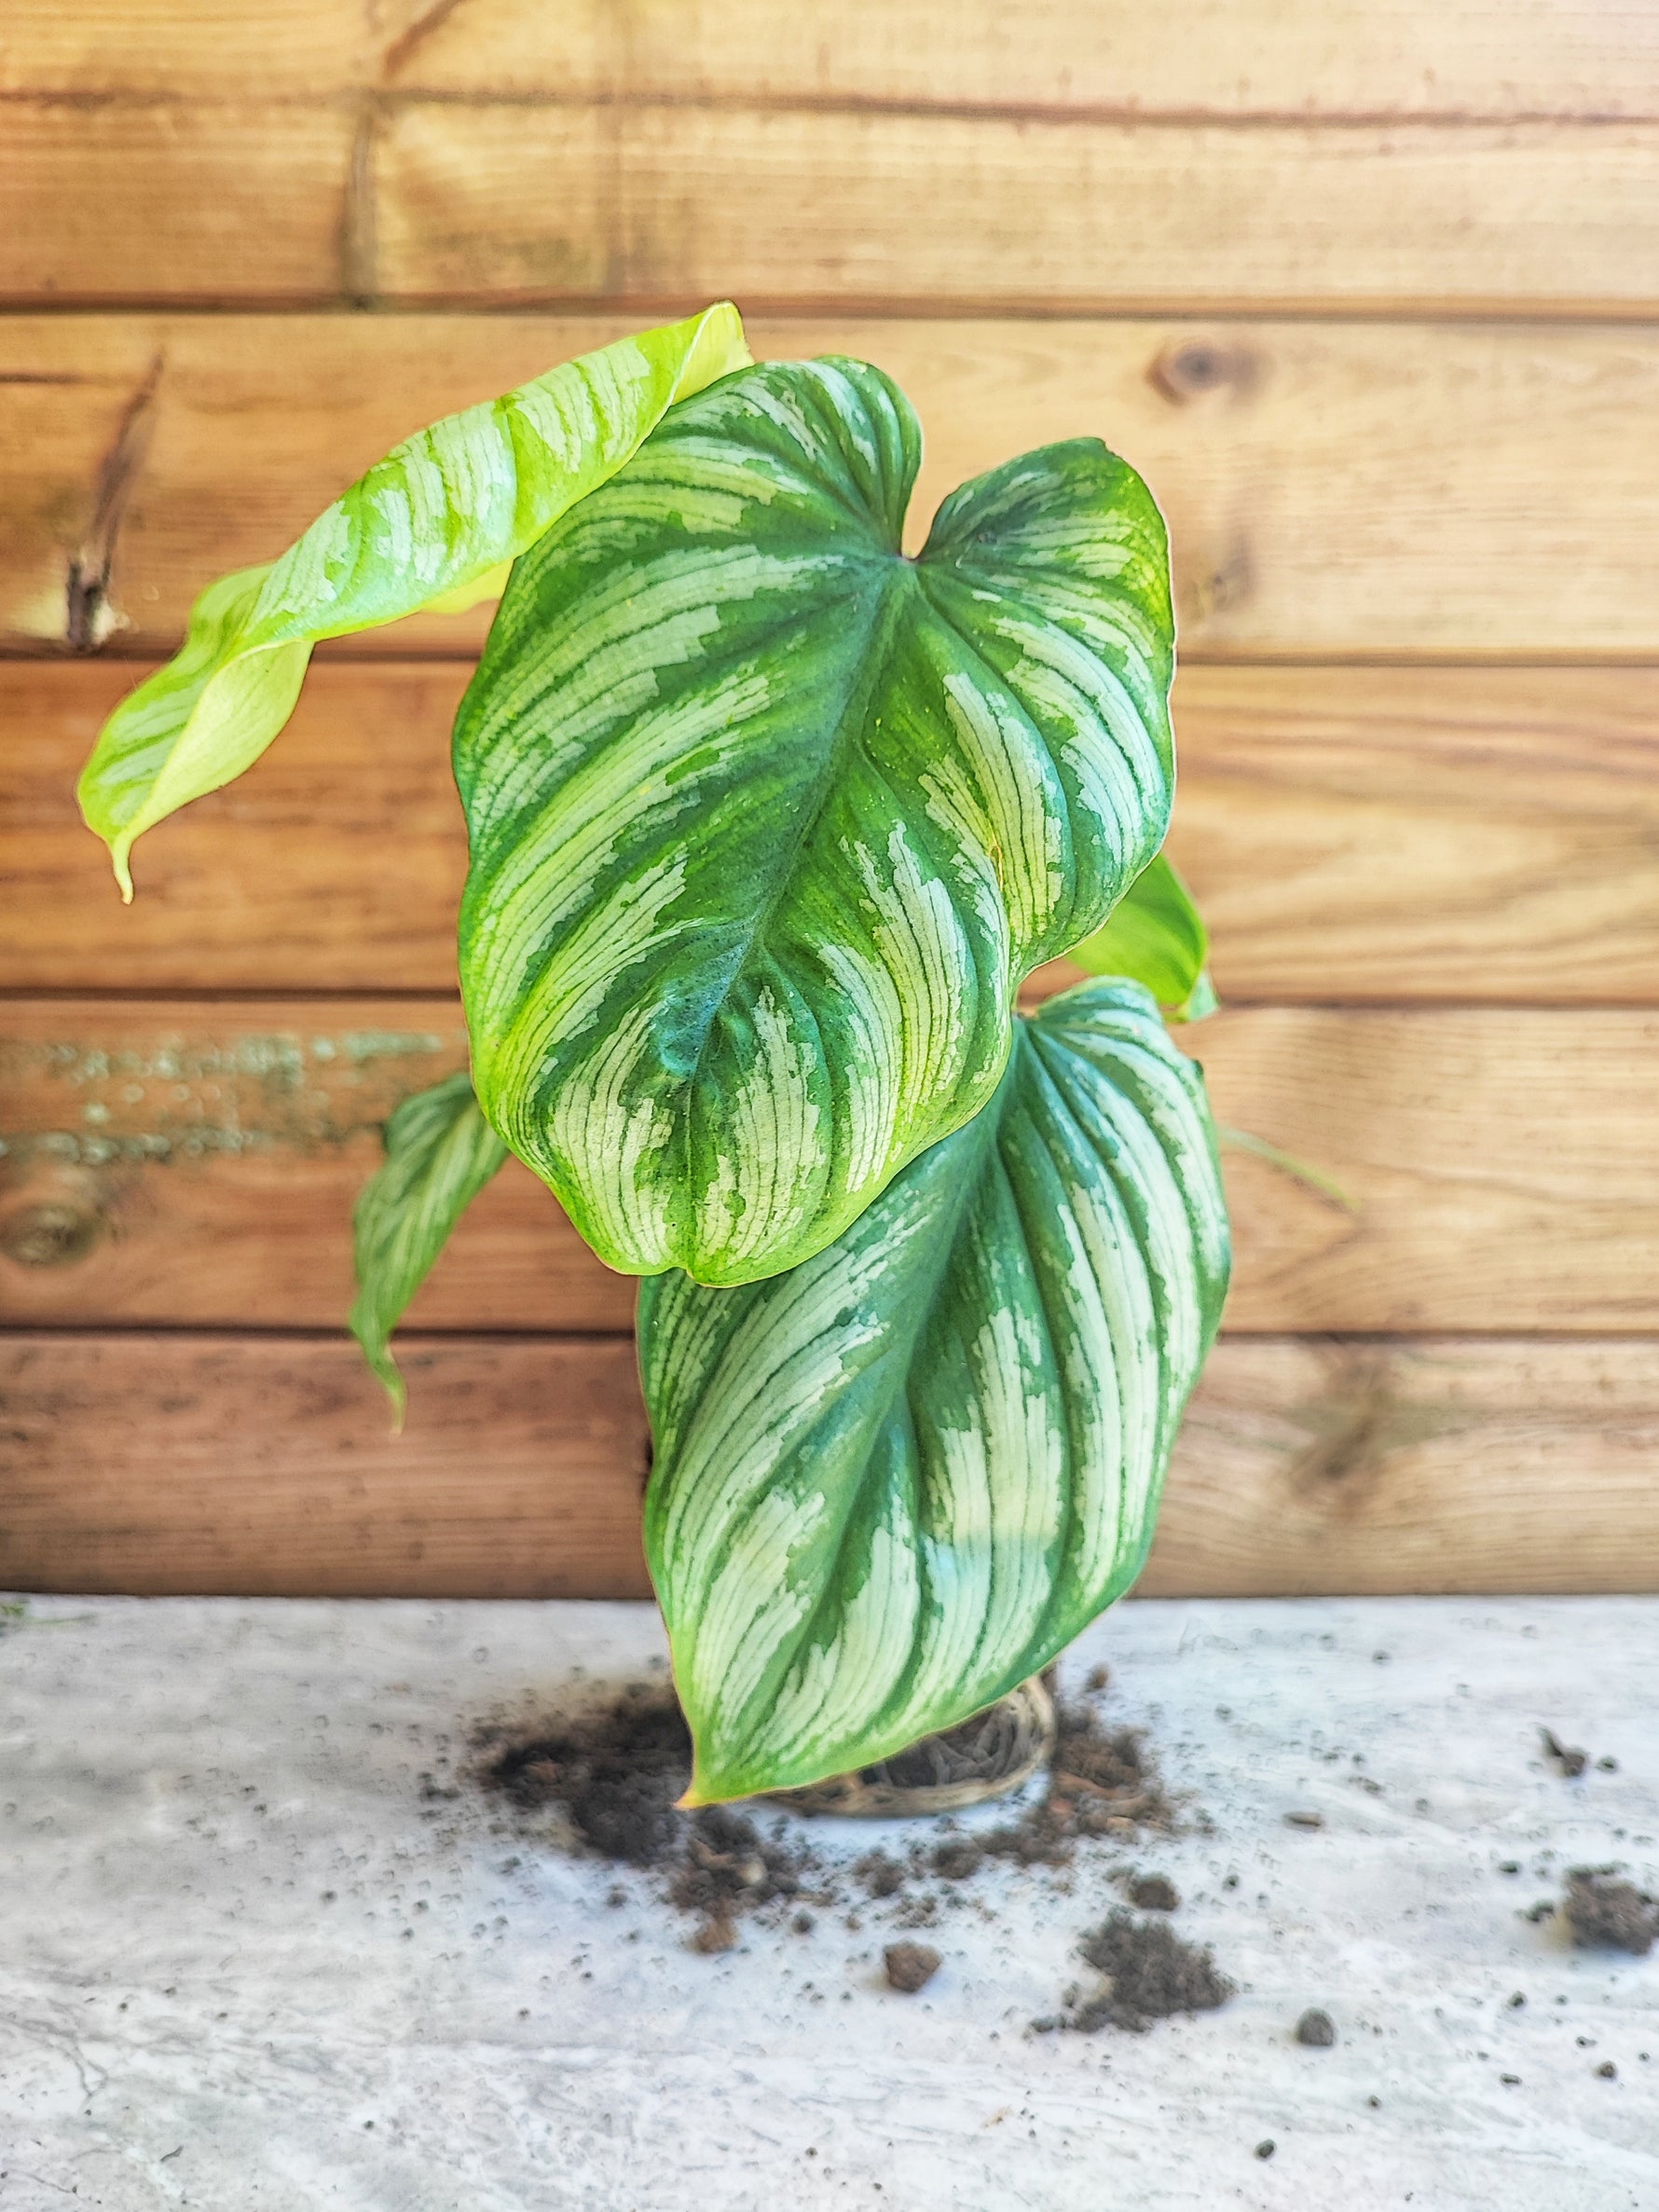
{"points": [[244, 1965]]}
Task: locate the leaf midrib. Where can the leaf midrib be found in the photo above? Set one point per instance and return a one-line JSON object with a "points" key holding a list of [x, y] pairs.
{"points": [[896, 575]]}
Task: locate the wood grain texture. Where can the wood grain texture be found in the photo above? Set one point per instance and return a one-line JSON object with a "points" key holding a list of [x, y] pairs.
{"points": [[1331, 488], [1499, 1163], [264, 1467], [1353, 833], [821, 207], [187, 1164], [1429, 1464], [199, 1164], [193, 1464], [409, 199], [174, 200], [335, 864], [1459, 60]]}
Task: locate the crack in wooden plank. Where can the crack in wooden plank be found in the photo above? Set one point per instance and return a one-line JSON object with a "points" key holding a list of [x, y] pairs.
{"points": [[89, 618]]}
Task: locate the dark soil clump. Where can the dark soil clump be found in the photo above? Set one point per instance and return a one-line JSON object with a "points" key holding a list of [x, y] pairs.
{"points": [[616, 1772], [1152, 1974], [1317, 2029], [909, 1966], [1154, 1894], [1610, 1913], [880, 1875], [1568, 1757]]}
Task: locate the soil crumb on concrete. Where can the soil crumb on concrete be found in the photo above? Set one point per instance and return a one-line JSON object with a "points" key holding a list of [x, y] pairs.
{"points": [[1568, 1757], [1154, 1894], [910, 1966], [1150, 1973], [1316, 2029], [1604, 1912]]}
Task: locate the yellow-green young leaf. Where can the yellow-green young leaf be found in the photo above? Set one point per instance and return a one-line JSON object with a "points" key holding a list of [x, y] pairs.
{"points": [[893, 1483], [432, 527], [440, 1153], [768, 821], [1156, 936]]}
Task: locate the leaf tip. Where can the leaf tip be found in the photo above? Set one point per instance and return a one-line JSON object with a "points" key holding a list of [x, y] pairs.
{"points": [[118, 860], [385, 1369]]}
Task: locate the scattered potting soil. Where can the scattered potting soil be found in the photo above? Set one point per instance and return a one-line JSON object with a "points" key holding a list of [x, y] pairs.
{"points": [[616, 1772], [1150, 1975], [1613, 1914]]}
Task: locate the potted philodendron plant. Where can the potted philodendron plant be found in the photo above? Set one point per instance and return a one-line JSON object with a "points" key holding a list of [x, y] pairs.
{"points": [[768, 823]]}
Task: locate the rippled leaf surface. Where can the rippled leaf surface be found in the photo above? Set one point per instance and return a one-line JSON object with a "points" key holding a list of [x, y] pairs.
{"points": [[432, 525], [769, 821], [893, 1483]]}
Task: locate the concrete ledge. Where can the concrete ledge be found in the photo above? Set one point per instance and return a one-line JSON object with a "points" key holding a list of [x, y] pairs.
{"points": [[243, 1964]]}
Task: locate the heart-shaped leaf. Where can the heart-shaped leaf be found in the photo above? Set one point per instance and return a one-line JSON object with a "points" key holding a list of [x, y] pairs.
{"points": [[432, 525], [768, 821], [893, 1483], [1156, 936], [440, 1153]]}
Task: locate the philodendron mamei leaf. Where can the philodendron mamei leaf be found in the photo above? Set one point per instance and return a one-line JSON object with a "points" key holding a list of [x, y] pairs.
{"points": [[1156, 936], [768, 821], [433, 526], [440, 1153], [893, 1483]]}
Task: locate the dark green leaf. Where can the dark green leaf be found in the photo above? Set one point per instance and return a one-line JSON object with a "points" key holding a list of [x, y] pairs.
{"points": [[768, 821], [893, 1483]]}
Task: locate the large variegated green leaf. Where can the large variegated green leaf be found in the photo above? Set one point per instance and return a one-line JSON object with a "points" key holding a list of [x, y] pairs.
{"points": [[896, 1481], [440, 1153], [769, 821], [433, 526], [1156, 936]]}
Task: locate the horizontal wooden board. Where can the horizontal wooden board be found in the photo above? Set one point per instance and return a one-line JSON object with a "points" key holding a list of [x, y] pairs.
{"points": [[244, 201], [200, 1163], [411, 199], [1456, 58], [1331, 488], [1444, 1465], [264, 1466], [1353, 833], [184, 1464], [819, 207], [197, 1163], [198, 49]]}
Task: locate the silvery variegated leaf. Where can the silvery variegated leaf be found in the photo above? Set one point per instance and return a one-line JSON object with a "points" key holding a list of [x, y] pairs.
{"points": [[431, 527], [440, 1153], [893, 1483], [768, 821]]}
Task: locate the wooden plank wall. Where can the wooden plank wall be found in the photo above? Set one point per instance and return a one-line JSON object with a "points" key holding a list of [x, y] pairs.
{"points": [[1372, 297]]}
